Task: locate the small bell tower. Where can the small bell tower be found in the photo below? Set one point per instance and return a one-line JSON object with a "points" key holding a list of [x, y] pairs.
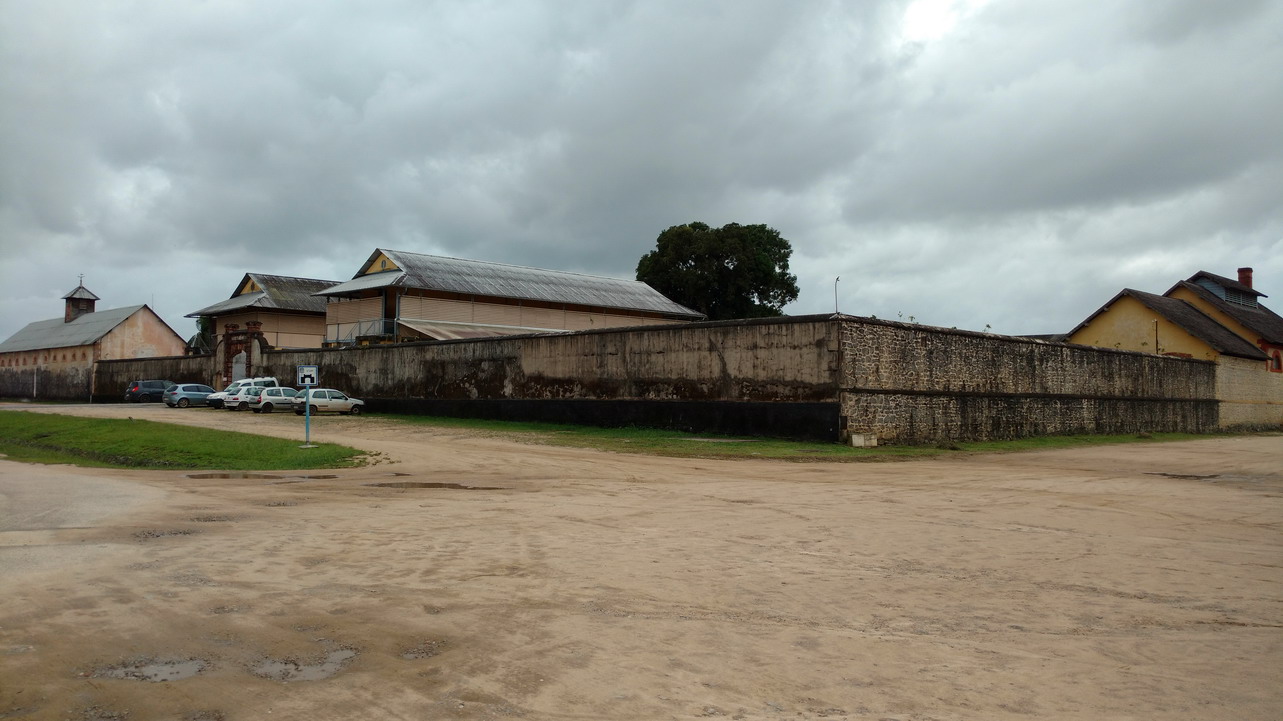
{"points": [[79, 302]]}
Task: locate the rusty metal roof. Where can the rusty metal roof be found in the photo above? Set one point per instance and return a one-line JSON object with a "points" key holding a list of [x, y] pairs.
{"points": [[55, 333], [498, 280], [279, 292]]}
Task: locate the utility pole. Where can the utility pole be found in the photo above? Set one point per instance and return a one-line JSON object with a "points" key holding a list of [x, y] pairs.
{"points": [[835, 293]]}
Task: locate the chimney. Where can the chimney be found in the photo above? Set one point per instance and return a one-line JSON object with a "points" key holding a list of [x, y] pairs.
{"points": [[1245, 276]]}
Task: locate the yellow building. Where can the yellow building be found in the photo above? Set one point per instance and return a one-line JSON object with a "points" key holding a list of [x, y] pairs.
{"points": [[286, 309], [1208, 317]]}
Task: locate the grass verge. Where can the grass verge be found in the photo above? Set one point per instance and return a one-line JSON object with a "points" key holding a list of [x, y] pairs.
{"points": [[107, 443], [651, 441]]}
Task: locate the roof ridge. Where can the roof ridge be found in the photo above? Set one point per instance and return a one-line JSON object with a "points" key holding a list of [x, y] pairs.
{"points": [[385, 251]]}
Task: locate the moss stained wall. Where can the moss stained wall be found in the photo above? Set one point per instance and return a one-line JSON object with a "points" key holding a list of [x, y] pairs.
{"points": [[111, 376], [788, 360]]}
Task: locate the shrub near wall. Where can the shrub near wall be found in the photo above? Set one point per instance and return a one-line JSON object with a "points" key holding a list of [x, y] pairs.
{"points": [[917, 384]]}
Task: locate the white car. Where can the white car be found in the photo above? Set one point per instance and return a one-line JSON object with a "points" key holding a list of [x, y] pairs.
{"points": [[219, 399], [269, 399], [327, 399], [239, 399]]}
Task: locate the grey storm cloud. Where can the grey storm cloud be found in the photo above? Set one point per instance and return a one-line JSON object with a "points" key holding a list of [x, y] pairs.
{"points": [[1004, 163]]}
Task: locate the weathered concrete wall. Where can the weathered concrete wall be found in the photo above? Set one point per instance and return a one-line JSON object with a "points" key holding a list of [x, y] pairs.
{"points": [[815, 377], [110, 377], [61, 374], [917, 384], [1251, 396], [50, 382], [771, 377]]}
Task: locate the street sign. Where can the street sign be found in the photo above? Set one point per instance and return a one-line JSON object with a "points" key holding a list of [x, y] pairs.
{"points": [[307, 375]]}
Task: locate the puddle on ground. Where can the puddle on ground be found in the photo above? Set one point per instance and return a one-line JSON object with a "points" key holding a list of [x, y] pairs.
{"points": [[1185, 476], [152, 670], [420, 484], [289, 670], [330, 475], [398, 473], [232, 474]]}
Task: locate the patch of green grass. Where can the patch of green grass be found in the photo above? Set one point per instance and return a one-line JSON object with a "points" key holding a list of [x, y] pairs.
{"points": [[107, 443], [658, 442]]}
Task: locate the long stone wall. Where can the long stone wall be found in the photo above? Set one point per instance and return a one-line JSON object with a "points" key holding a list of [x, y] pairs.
{"points": [[918, 384], [767, 377], [814, 377]]}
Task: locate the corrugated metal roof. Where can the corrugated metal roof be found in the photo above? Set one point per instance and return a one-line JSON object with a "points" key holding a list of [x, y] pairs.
{"points": [[438, 330], [475, 277], [54, 333], [278, 292]]}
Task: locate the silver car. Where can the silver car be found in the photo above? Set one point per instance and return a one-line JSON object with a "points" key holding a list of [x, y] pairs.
{"points": [[327, 399]]}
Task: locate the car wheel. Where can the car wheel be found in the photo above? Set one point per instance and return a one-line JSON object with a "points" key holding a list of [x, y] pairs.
{"points": [[356, 410], [267, 408], [313, 410], [183, 403], [243, 406], [298, 413], [144, 398]]}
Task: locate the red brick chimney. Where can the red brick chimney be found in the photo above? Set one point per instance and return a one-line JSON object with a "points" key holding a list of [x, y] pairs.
{"points": [[1245, 276]]}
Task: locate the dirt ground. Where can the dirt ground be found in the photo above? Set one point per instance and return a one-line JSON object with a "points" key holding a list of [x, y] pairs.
{"points": [[1132, 582]]}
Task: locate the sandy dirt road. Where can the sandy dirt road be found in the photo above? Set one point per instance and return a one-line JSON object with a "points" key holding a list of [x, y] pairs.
{"points": [[567, 584]]}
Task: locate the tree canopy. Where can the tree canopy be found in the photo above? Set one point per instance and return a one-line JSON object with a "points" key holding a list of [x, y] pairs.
{"points": [[735, 271]]}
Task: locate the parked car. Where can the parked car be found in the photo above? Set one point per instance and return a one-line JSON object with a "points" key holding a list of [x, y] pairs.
{"points": [[327, 399], [240, 398], [217, 400], [186, 394], [269, 399], [146, 391]]}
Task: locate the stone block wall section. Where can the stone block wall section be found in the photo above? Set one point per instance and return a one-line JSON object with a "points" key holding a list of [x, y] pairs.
{"points": [[1250, 398], [918, 384], [770, 376]]}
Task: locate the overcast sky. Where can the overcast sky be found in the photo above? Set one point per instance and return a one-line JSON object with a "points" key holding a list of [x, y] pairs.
{"points": [[1010, 164]]}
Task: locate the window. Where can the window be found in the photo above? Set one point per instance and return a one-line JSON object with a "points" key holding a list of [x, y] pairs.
{"points": [[1276, 362]]}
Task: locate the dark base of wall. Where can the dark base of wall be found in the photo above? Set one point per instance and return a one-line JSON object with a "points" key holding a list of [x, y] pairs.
{"points": [[802, 421]]}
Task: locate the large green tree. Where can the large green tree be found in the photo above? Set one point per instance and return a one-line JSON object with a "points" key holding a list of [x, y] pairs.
{"points": [[735, 271]]}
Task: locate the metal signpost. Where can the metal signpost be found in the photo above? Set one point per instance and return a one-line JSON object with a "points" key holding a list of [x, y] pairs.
{"points": [[307, 376]]}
